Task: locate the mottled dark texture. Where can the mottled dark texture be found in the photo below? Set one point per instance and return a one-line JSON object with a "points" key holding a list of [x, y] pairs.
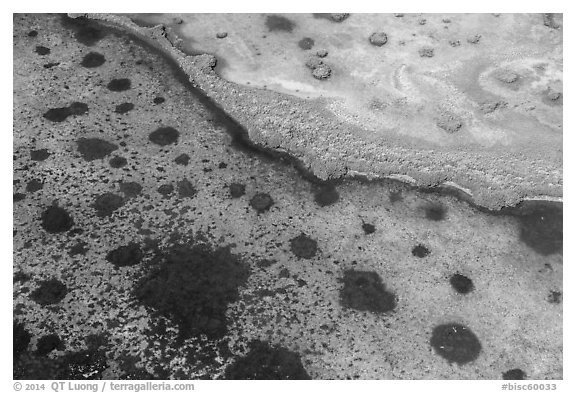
{"points": [[127, 255], [306, 43], [461, 283], [124, 107], [365, 291], [186, 189], [279, 23], [93, 60], [237, 190], [193, 286], [48, 343], [21, 339], [455, 343], [50, 291], [435, 212], [56, 219], [118, 85], [164, 136], [39, 155], [420, 251], [368, 228], [541, 228], [326, 195], [261, 202], [514, 374], [95, 148], [105, 204], [182, 159], [265, 362], [303, 246]]}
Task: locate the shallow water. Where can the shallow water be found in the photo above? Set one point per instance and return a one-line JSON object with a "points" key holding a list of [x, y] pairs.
{"points": [[311, 268], [451, 98]]}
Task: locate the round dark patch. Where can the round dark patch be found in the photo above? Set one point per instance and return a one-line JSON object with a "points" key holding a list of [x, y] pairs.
{"points": [[21, 339], [264, 362], [326, 196], [261, 202], [435, 212], [303, 246], [39, 155], [368, 228], [237, 190], [514, 374], [159, 100], [48, 343], [32, 33], [186, 189], [182, 159], [542, 229], [420, 251], [306, 43], [60, 114], [323, 71], [124, 107], [455, 343], [34, 185], [107, 203], [364, 291], [89, 35], [378, 38], [55, 219], [95, 148], [121, 84], [555, 297], [42, 50], [193, 286], [461, 283], [49, 292], [93, 59], [18, 196], [164, 136], [78, 108], [128, 255], [117, 162], [279, 23], [57, 114], [166, 190], [130, 189], [86, 31]]}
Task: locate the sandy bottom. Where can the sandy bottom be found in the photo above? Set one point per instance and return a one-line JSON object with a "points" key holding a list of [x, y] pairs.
{"points": [[148, 245]]}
